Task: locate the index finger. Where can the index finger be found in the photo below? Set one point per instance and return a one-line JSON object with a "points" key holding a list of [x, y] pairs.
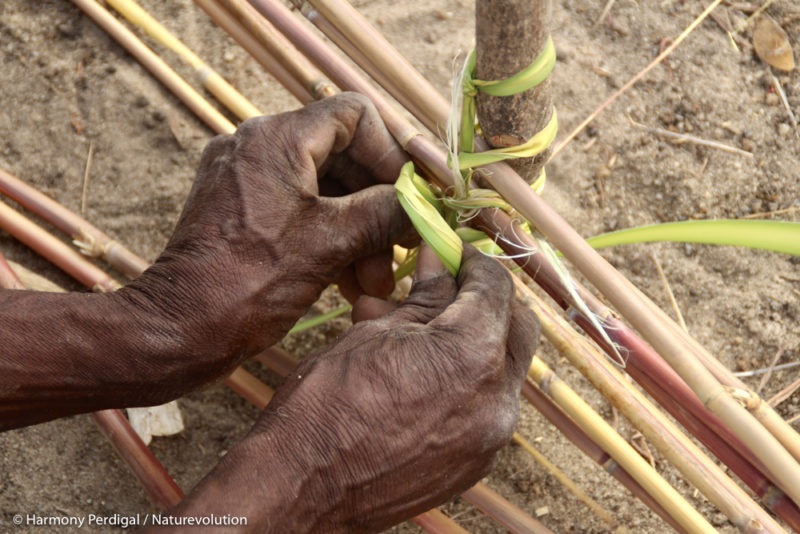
{"points": [[349, 123]]}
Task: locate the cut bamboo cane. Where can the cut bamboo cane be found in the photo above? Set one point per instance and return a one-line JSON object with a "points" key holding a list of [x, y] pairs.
{"points": [[568, 483], [55, 251], [668, 439], [140, 460], [211, 80], [492, 504], [193, 100], [618, 448], [616, 288], [509, 35], [548, 408]]}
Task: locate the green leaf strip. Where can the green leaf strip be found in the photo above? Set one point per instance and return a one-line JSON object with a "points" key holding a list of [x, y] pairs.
{"points": [[778, 236]]}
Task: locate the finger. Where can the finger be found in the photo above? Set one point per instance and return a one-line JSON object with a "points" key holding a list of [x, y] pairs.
{"points": [[483, 303], [434, 289], [523, 338], [374, 274], [348, 123], [348, 285], [367, 308], [363, 223]]}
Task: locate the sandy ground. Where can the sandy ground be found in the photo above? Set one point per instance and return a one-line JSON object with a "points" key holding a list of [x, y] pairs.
{"points": [[66, 86]]}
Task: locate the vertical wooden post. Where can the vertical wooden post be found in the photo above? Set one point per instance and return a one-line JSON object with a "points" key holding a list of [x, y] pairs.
{"points": [[510, 34]]}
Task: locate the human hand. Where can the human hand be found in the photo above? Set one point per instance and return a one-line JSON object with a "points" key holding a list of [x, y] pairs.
{"points": [[265, 230], [398, 415]]}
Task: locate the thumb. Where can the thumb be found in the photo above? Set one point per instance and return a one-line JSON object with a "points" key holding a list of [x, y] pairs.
{"points": [[433, 291]]}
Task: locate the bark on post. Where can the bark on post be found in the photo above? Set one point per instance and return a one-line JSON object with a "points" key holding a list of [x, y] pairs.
{"points": [[510, 34]]}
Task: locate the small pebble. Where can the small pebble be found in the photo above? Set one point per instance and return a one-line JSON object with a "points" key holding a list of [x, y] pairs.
{"points": [[228, 56], [542, 510], [748, 144], [784, 129], [141, 101]]}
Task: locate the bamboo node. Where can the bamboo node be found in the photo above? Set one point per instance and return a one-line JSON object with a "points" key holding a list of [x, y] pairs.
{"points": [[406, 139]]}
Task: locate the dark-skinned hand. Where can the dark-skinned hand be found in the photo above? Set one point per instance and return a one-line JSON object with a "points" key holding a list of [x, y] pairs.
{"points": [[400, 414], [279, 210]]}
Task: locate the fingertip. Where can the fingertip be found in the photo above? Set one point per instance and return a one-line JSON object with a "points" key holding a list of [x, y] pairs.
{"points": [[374, 274], [428, 264]]}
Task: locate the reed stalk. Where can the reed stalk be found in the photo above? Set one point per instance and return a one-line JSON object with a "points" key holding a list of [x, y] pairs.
{"points": [[436, 522], [211, 80], [605, 436], [150, 60], [704, 474], [140, 460], [494, 505], [90, 239], [611, 283], [550, 410]]}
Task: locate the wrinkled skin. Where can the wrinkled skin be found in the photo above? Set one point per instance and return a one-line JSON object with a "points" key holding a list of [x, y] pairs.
{"points": [[398, 415]]}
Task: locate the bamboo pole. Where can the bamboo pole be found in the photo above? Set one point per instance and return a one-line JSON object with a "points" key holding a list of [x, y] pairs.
{"points": [[436, 522], [193, 100], [668, 439], [211, 80], [509, 35], [140, 459], [616, 288], [618, 448]]}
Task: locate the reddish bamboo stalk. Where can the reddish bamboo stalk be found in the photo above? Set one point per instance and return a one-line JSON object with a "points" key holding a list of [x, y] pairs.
{"points": [[151, 474], [494, 505], [300, 69], [70, 223], [437, 522], [140, 460], [54, 250]]}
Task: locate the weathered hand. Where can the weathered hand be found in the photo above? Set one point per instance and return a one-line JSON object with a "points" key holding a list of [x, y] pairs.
{"points": [[258, 239], [400, 414]]}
